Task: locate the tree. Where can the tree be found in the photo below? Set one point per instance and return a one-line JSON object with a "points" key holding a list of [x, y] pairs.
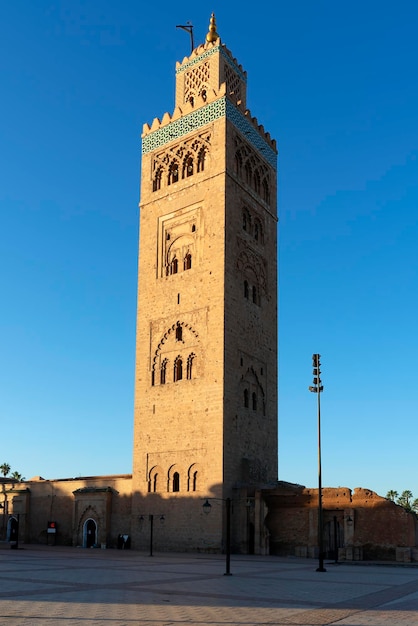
{"points": [[405, 499], [5, 469], [17, 476], [392, 495]]}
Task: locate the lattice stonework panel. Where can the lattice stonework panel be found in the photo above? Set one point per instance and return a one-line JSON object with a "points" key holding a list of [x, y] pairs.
{"points": [[195, 78], [206, 55], [233, 83], [205, 115]]}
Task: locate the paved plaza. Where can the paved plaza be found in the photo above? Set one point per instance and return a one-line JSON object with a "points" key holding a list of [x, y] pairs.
{"points": [[45, 586]]}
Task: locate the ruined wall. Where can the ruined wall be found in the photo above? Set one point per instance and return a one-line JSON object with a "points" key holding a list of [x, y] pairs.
{"points": [[357, 525]]}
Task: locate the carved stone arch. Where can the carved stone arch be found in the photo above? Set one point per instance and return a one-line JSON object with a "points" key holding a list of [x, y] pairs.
{"points": [[248, 172], [258, 230], [188, 167], [257, 176], [194, 478], [204, 88], [246, 220], [178, 249], [252, 269], [173, 172], [191, 97], [157, 178], [249, 385], [156, 479], [265, 189], [166, 350], [175, 478], [178, 369]]}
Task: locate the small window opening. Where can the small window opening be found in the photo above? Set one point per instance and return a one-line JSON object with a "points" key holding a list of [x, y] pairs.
{"points": [[176, 481], [201, 160], [178, 369], [188, 261], [163, 372], [190, 366], [254, 399], [246, 398], [179, 333]]}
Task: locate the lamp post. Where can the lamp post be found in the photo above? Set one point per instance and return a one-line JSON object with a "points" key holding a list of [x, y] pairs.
{"points": [[151, 529], [318, 388], [207, 509]]}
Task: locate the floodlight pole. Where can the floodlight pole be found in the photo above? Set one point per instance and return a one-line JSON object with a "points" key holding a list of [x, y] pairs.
{"points": [[318, 388]]}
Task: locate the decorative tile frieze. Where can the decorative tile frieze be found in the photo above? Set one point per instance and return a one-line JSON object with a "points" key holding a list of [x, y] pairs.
{"points": [[205, 115]]}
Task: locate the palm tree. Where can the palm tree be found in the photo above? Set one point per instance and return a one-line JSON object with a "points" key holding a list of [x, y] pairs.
{"points": [[5, 469], [391, 495], [405, 499], [414, 505], [17, 476]]}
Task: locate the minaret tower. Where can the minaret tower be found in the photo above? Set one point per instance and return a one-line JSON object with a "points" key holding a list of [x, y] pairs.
{"points": [[206, 348]]}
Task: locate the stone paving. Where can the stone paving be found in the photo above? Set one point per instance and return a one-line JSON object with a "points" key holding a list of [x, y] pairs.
{"points": [[48, 586]]}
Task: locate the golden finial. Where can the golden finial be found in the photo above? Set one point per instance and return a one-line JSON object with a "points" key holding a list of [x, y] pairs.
{"points": [[212, 34]]}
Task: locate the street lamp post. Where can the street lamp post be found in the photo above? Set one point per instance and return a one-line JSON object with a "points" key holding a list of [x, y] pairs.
{"points": [[318, 388], [151, 529], [207, 509]]}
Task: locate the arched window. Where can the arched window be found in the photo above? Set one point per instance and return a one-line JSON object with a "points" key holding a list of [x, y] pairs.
{"points": [[188, 167], [266, 191], [248, 173], [163, 372], [179, 333], [258, 231], [254, 399], [178, 369], [246, 290], [257, 182], [173, 173], [188, 261], [190, 366], [246, 221], [194, 481], [246, 398], [255, 298], [201, 160], [176, 481], [174, 266], [156, 183], [153, 481], [238, 163]]}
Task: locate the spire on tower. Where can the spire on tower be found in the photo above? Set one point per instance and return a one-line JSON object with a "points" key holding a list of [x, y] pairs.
{"points": [[212, 34]]}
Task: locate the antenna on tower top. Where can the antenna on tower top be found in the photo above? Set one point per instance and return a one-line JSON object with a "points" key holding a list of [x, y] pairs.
{"points": [[188, 27]]}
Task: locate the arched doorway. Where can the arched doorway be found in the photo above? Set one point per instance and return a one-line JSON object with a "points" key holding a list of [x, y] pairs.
{"points": [[12, 529], [89, 533]]}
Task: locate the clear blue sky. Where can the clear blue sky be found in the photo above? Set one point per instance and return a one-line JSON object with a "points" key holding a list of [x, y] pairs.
{"points": [[336, 84]]}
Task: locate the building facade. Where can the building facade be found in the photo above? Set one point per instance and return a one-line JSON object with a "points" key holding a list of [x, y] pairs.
{"points": [[206, 353]]}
